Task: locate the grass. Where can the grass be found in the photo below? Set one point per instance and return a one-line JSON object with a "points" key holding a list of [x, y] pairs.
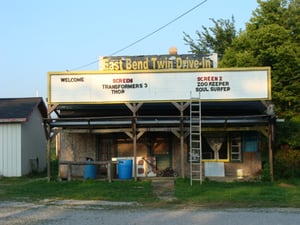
{"points": [[38, 189], [209, 194], [240, 194]]}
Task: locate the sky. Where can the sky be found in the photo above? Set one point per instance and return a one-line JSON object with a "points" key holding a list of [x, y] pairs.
{"points": [[58, 35]]}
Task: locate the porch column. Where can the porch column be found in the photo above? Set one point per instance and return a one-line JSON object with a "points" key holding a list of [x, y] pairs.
{"points": [[181, 107], [48, 152], [134, 107], [271, 140], [51, 108], [181, 143], [134, 138]]}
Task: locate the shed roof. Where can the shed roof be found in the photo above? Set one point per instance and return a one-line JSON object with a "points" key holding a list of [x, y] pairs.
{"points": [[20, 109]]}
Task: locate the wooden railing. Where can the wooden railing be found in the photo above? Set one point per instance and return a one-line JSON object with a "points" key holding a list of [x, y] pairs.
{"points": [[84, 163]]}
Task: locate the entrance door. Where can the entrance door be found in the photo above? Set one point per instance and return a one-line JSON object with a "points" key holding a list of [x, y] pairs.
{"points": [[161, 149], [105, 146]]}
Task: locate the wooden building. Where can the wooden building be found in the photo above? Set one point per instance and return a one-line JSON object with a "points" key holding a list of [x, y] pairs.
{"points": [[149, 116]]}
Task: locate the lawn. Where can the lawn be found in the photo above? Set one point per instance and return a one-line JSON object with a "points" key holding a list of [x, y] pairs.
{"points": [[240, 194], [37, 189], [210, 194]]}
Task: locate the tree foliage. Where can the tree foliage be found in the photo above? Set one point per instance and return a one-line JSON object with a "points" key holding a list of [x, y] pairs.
{"points": [[271, 38], [214, 39]]}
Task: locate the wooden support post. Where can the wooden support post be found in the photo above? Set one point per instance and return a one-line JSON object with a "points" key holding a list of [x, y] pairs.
{"points": [[270, 137], [134, 107], [49, 153], [109, 172], [181, 107], [181, 145], [134, 147], [51, 108], [69, 172]]}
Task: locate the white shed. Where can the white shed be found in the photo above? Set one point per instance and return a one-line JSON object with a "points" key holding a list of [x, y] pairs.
{"points": [[22, 136]]}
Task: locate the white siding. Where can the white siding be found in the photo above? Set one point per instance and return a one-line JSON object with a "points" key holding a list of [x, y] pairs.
{"points": [[34, 145], [10, 149]]}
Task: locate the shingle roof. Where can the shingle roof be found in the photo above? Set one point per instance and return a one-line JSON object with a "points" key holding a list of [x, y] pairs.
{"points": [[19, 109]]}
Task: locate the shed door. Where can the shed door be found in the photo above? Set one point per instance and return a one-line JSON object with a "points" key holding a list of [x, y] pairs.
{"points": [[10, 150]]}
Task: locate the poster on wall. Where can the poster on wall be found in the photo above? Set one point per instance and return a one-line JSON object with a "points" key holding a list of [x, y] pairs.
{"points": [[102, 87]]}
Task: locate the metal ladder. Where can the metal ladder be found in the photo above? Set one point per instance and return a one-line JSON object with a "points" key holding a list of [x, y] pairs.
{"points": [[195, 154]]}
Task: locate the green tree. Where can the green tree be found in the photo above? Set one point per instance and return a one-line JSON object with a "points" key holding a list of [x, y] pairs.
{"points": [[272, 39], [214, 39]]}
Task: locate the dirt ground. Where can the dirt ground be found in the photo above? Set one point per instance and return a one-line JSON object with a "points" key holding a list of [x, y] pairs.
{"points": [[120, 213]]}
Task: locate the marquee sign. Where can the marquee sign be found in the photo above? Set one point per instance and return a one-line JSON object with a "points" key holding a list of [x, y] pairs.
{"points": [[102, 87], [158, 62]]}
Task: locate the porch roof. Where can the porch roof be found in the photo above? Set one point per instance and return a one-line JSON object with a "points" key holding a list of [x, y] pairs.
{"points": [[237, 113], [237, 108]]}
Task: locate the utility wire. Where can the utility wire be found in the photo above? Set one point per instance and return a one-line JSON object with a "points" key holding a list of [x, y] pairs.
{"points": [[160, 28], [146, 36]]}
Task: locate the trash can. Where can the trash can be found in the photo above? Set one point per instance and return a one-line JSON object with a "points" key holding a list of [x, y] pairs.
{"points": [[89, 170], [125, 169]]}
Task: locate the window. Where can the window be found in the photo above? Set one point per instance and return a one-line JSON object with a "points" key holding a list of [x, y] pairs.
{"points": [[222, 146], [250, 142], [214, 146]]}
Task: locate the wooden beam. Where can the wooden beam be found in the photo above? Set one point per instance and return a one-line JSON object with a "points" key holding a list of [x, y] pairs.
{"points": [[51, 108], [129, 134], [82, 163], [134, 107], [181, 106], [96, 131], [140, 134], [176, 133], [255, 128]]}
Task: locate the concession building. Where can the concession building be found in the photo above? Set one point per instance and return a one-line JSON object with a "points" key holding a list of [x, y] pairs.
{"points": [[172, 115]]}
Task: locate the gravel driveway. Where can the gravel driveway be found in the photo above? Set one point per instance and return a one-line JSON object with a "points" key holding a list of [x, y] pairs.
{"points": [[93, 212]]}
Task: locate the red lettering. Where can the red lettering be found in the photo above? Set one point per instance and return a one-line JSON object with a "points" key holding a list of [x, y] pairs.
{"points": [[122, 80], [209, 78]]}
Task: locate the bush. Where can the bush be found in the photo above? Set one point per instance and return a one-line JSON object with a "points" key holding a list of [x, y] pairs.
{"points": [[288, 132], [287, 164], [265, 173]]}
